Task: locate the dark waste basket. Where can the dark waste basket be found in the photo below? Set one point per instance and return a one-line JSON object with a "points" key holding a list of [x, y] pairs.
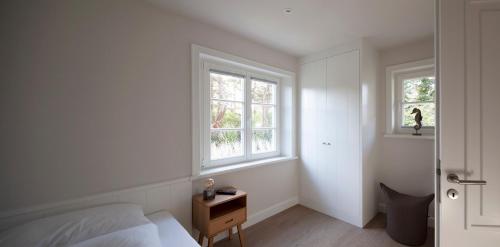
{"points": [[406, 216]]}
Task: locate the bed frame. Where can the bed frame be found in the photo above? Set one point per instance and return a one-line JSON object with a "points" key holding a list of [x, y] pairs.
{"points": [[173, 196]]}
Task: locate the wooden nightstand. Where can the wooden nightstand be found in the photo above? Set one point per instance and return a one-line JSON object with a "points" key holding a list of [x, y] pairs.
{"points": [[218, 215]]}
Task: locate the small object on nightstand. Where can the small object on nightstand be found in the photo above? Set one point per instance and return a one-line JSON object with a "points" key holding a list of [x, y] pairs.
{"points": [[219, 215], [226, 191], [209, 192]]}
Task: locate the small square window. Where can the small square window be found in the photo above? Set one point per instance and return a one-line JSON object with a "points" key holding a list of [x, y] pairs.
{"points": [[411, 86], [418, 93]]}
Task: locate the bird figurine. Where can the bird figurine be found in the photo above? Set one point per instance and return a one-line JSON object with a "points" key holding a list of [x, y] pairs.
{"points": [[418, 120]]}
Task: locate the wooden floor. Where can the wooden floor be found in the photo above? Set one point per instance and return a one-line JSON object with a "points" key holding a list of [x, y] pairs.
{"points": [[300, 226]]}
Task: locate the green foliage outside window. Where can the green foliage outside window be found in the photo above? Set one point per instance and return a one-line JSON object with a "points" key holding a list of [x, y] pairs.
{"points": [[419, 93], [227, 107]]}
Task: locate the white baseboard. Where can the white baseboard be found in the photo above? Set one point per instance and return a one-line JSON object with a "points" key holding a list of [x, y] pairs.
{"points": [[270, 211], [430, 219], [258, 217]]}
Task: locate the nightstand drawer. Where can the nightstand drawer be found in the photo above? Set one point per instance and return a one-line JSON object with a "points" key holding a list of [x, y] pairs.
{"points": [[224, 222]]}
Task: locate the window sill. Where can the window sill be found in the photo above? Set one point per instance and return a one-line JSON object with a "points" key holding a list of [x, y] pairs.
{"points": [[409, 136], [241, 166]]}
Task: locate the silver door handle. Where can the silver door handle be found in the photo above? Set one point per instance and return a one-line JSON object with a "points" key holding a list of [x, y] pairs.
{"points": [[453, 178]]}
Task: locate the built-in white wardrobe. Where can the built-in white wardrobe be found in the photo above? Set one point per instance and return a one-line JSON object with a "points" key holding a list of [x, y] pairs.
{"points": [[338, 141]]}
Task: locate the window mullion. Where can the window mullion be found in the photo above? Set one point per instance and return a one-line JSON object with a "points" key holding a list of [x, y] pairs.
{"points": [[417, 102], [248, 116], [226, 100], [206, 117]]}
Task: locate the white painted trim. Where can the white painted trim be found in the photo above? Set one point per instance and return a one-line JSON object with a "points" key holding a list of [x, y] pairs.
{"points": [[409, 136], [196, 106], [334, 51], [242, 166], [270, 211], [198, 55], [258, 217], [169, 195], [398, 95], [239, 61], [390, 74], [45, 206], [437, 151]]}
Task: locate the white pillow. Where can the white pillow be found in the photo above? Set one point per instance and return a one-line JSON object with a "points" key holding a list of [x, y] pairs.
{"points": [[143, 236], [70, 228]]}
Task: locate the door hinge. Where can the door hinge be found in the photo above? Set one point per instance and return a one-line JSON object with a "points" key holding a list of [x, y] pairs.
{"points": [[438, 167]]}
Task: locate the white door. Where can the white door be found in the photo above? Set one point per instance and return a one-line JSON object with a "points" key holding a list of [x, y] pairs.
{"points": [[469, 143], [330, 137], [312, 97], [342, 137]]}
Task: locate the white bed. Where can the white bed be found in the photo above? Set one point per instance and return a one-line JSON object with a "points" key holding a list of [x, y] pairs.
{"points": [[123, 225], [171, 231]]}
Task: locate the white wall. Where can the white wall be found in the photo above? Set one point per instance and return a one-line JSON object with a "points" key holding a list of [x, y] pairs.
{"points": [[266, 186], [370, 139], [407, 165], [95, 96]]}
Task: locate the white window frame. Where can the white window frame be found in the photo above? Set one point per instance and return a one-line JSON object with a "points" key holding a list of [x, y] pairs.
{"points": [[285, 111], [395, 75], [399, 99], [210, 65], [277, 119]]}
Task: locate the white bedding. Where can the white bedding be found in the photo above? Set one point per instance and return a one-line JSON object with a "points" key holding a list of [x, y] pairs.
{"points": [[138, 236], [171, 233], [122, 225], [74, 227]]}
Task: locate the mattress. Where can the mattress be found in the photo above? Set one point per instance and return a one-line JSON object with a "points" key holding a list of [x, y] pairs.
{"points": [[171, 231]]}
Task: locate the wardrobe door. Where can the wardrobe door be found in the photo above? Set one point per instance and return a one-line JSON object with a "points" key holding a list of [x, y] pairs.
{"points": [[342, 116], [313, 99]]}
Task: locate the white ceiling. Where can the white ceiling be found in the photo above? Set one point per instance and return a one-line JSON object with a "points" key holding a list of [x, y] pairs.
{"points": [[314, 25]]}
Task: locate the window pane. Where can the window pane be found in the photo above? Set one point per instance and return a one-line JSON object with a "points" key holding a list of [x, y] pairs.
{"points": [[263, 92], [225, 144], [226, 114], [428, 111], [419, 89], [262, 116], [226, 87], [263, 141]]}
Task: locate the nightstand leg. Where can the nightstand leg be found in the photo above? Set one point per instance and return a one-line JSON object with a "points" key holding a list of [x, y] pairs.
{"points": [[230, 233], [200, 239], [241, 236], [211, 242]]}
